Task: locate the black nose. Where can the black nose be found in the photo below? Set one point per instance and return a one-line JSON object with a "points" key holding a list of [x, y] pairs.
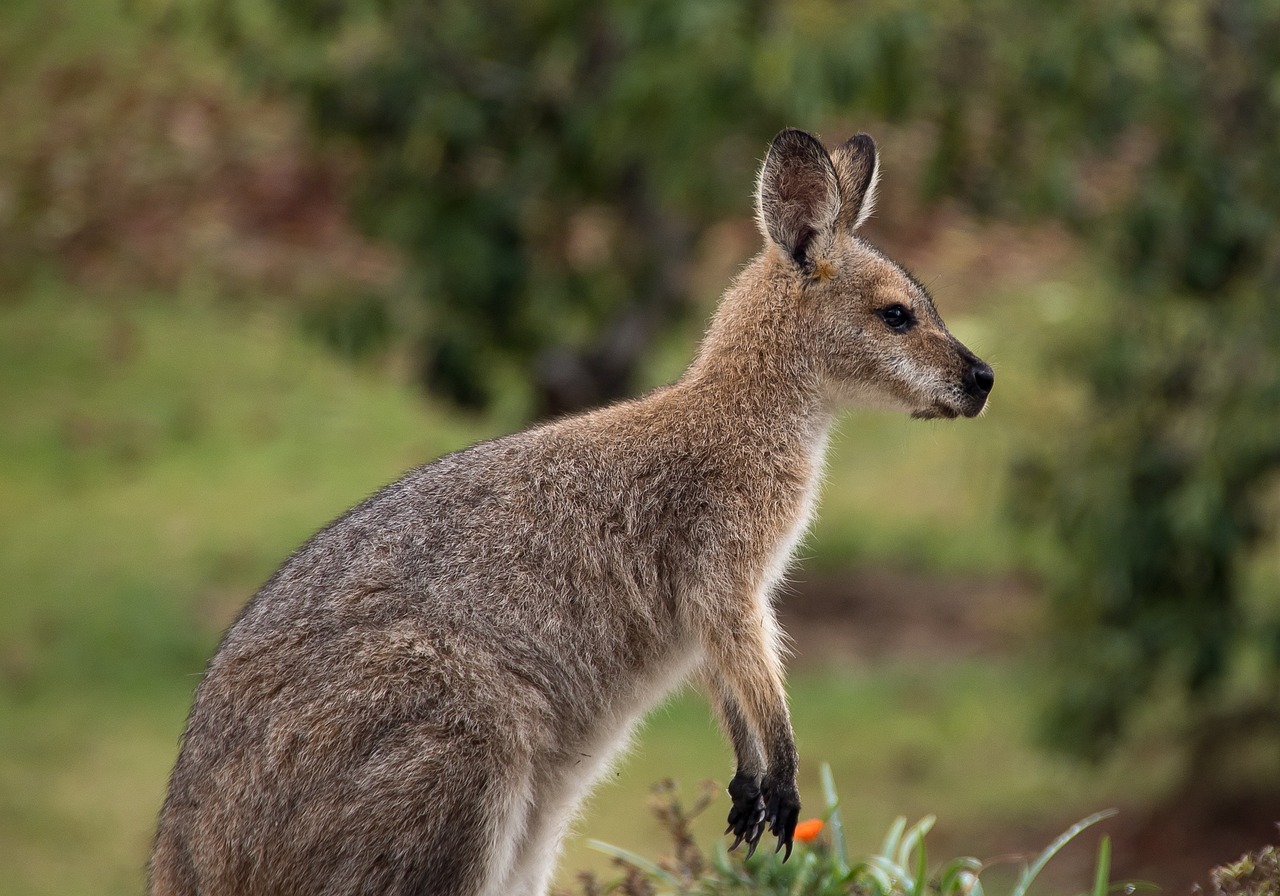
{"points": [[981, 378]]}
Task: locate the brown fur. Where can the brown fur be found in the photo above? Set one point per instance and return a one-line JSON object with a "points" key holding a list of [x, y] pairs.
{"points": [[421, 696]]}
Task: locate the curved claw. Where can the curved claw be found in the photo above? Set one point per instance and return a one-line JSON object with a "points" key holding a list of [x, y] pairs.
{"points": [[747, 816], [783, 814]]}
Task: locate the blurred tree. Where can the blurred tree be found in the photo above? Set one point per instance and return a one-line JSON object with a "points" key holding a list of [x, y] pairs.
{"points": [[1155, 128], [548, 166]]}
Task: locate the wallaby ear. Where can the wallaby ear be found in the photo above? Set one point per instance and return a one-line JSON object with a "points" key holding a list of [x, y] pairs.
{"points": [[799, 196], [858, 170]]}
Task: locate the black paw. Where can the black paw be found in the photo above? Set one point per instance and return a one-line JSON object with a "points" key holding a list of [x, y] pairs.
{"points": [[747, 815], [782, 811]]}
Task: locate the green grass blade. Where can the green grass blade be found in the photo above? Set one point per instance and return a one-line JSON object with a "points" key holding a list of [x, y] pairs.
{"points": [[957, 876], [638, 861], [921, 887], [870, 878], [894, 873], [952, 874], [1032, 871], [721, 862], [914, 838], [804, 875], [894, 837], [1102, 875], [726, 867], [834, 824]]}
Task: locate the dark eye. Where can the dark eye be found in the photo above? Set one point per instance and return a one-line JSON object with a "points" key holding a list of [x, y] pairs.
{"points": [[897, 317]]}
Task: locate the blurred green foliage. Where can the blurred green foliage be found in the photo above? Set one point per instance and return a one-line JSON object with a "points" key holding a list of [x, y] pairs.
{"points": [[1164, 492], [547, 166], [1163, 503], [1154, 130]]}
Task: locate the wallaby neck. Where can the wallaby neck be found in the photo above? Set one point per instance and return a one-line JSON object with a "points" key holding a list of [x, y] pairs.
{"points": [[754, 368]]}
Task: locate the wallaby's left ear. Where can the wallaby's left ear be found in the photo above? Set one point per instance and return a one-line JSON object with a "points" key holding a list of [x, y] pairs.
{"points": [[799, 196], [858, 170]]}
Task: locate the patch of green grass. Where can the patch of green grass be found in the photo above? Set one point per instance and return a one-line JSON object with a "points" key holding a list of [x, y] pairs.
{"points": [[81, 780], [158, 461]]}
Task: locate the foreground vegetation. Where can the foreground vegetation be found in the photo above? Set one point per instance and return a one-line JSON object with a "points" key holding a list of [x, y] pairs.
{"points": [[825, 864]]}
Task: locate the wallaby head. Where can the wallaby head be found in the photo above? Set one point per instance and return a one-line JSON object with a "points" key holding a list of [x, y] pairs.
{"points": [[875, 337]]}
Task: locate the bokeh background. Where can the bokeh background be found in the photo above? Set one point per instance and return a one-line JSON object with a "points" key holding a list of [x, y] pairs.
{"points": [[257, 257]]}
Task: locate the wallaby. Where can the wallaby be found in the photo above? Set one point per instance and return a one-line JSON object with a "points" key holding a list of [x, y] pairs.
{"points": [[422, 695]]}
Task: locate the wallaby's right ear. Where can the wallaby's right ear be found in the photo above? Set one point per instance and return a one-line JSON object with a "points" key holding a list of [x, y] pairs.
{"points": [[799, 196], [858, 170]]}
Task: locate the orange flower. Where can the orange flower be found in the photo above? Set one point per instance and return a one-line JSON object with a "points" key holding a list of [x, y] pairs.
{"points": [[808, 830]]}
